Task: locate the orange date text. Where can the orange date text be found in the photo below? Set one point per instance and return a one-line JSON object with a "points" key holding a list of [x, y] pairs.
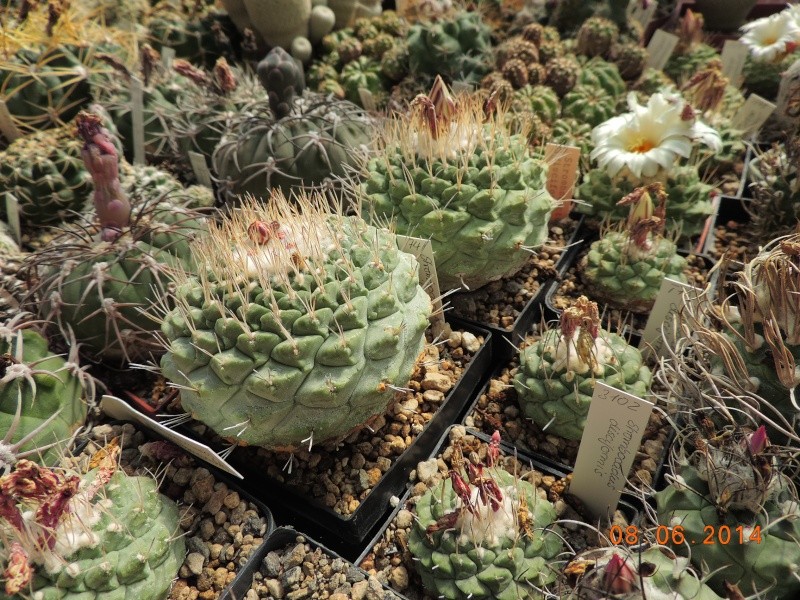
{"points": [[723, 535]]}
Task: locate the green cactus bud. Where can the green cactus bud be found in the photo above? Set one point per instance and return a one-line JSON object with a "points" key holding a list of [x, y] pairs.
{"points": [[282, 78]]}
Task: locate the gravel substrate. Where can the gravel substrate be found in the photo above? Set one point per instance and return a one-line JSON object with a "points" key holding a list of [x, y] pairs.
{"points": [[221, 528], [737, 239], [300, 570], [498, 409], [500, 303], [391, 562], [341, 477], [573, 286]]}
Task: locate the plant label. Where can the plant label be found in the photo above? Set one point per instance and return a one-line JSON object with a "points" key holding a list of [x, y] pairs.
{"points": [[660, 48], [669, 302], [562, 173], [137, 118], [167, 56], [8, 128], [734, 54], [753, 114], [12, 216], [423, 250], [200, 168], [788, 102], [367, 99], [642, 11], [614, 429], [119, 409]]}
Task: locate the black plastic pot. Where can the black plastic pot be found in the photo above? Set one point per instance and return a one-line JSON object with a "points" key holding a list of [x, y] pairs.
{"points": [[342, 532], [629, 506]]}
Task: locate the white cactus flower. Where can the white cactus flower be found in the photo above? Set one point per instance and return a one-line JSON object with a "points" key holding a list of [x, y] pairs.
{"points": [[771, 38], [650, 137]]}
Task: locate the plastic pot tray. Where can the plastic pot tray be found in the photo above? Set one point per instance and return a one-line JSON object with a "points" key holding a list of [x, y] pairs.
{"points": [[730, 209], [237, 589], [629, 506], [292, 506]]}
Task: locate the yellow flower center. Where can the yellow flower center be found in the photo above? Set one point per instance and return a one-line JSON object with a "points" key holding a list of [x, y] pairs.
{"points": [[769, 41], [641, 146]]}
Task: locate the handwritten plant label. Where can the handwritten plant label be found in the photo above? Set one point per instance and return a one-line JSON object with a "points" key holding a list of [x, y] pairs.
{"points": [[12, 216], [642, 11], [367, 99], [669, 302], [734, 55], [8, 128], [167, 56], [423, 250], [137, 118], [562, 170], [614, 429], [753, 114], [788, 109], [200, 168], [119, 409], [660, 48]]}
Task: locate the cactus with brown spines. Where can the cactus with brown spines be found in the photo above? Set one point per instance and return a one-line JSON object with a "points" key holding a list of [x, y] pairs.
{"points": [[562, 74]]}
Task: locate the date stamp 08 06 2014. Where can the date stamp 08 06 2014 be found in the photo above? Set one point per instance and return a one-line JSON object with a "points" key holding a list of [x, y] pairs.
{"points": [[631, 535]]}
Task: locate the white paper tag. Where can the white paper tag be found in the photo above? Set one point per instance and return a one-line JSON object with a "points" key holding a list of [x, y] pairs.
{"points": [[753, 114], [562, 170], [423, 250], [660, 48], [734, 55], [12, 216], [200, 168], [614, 429], [642, 12], [167, 56], [668, 303], [788, 102], [8, 128], [367, 99], [119, 409], [137, 118]]}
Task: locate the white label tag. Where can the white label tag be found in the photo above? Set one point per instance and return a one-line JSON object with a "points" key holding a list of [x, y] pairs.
{"points": [[614, 429], [8, 128], [137, 118], [753, 114], [200, 168], [788, 109], [734, 55], [119, 409], [642, 11], [367, 99], [423, 250], [660, 48], [12, 216], [562, 170], [668, 303], [167, 56]]}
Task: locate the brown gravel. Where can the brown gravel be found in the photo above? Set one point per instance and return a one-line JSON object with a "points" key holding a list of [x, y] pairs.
{"points": [[391, 562], [738, 239], [501, 302], [221, 529]]}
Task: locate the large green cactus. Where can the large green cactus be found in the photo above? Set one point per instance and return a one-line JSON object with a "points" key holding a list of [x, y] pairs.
{"points": [[104, 535], [300, 324], [471, 187], [557, 375]]}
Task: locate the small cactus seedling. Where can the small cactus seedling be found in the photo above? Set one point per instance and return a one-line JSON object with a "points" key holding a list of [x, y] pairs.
{"points": [[301, 321], [556, 377], [98, 535], [625, 268], [484, 533]]}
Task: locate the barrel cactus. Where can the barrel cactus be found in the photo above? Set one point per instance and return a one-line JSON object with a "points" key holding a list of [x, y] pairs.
{"points": [[626, 268], [691, 54], [43, 397], [96, 279], [294, 141], [302, 321], [487, 536], [588, 104], [557, 374], [470, 186], [729, 480], [94, 535]]}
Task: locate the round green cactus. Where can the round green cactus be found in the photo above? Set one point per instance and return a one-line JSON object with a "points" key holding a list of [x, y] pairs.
{"points": [[538, 99], [364, 73], [302, 323], [470, 548], [588, 104], [47, 391], [470, 187], [573, 132], [764, 77], [603, 74], [557, 374], [105, 535], [681, 67]]}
